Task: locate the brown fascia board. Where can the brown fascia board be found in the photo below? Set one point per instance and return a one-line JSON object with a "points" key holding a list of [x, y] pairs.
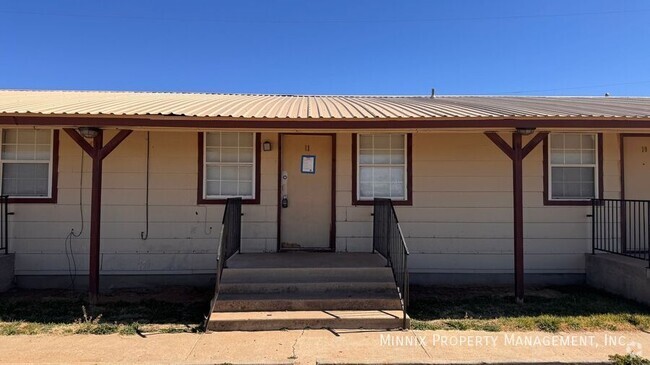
{"points": [[288, 123]]}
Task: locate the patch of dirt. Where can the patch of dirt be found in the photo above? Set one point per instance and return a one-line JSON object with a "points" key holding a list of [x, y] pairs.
{"points": [[547, 293], [178, 294], [469, 291], [458, 291], [173, 294]]}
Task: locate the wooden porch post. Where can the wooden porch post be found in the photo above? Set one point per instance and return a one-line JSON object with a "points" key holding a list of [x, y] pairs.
{"points": [[518, 213], [97, 152], [95, 217], [517, 153]]}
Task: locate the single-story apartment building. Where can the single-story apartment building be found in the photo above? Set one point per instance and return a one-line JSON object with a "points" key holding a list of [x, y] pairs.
{"points": [[465, 174]]}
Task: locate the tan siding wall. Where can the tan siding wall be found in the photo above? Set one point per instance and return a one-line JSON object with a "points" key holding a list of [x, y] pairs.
{"points": [[461, 219], [182, 235]]}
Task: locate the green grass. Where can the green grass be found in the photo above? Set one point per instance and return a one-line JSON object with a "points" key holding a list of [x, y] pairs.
{"points": [[125, 313], [550, 309], [629, 359]]}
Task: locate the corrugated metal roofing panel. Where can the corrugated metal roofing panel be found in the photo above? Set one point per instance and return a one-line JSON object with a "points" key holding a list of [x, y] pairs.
{"points": [[317, 107]]}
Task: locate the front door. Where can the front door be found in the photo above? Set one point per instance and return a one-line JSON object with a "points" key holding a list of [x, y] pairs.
{"points": [[637, 167], [636, 164], [306, 219]]}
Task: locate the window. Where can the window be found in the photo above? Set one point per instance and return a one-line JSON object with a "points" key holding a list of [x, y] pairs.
{"points": [[382, 167], [573, 166], [229, 165], [27, 157]]}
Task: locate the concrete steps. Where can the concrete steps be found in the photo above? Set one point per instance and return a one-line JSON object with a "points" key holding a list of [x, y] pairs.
{"points": [[306, 301], [265, 321], [303, 290], [306, 275], [313, 287]]}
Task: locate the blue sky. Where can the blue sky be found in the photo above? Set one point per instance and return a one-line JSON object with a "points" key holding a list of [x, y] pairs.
{"points": [[545, 47]]}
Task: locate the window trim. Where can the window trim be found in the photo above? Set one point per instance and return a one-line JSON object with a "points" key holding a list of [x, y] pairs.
{"points": [[409, 172], [53, 176], [201, 199], [547, 174]]}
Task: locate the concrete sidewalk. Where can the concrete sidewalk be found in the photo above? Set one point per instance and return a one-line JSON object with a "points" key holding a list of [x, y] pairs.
{"points": [[325, 347]]}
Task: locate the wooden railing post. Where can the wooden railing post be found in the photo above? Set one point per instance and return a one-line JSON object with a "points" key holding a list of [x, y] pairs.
{"points": [[4, 241], [593, 226], [387, 234]]}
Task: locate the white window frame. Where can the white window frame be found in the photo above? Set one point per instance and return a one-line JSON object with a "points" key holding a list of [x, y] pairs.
{"points": [[205, 165], [595, 166], [50, 163], [359, 164]]}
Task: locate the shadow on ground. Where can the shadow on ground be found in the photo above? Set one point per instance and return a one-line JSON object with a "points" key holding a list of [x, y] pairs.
{"points": [[545, 308], [176, 307], [182, 309]]}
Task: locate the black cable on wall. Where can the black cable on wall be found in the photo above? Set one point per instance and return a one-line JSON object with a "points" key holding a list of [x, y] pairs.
{"points": [[145, 234]]}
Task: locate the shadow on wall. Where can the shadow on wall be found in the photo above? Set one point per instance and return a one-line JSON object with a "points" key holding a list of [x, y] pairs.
{"points": [[6, 271]]}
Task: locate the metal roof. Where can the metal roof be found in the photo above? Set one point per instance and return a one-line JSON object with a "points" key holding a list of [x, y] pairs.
{"points": [[249, 106]]}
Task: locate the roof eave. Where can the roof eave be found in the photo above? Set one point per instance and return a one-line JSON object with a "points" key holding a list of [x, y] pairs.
{"points": [[176, 121]]}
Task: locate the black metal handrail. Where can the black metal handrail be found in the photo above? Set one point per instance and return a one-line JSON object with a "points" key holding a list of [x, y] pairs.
{"points": [[229, 243], [388, 240], [621, 227], [4, 227]]}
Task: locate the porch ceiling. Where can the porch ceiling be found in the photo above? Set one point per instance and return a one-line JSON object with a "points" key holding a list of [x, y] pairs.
{"points": [[327, 108]]}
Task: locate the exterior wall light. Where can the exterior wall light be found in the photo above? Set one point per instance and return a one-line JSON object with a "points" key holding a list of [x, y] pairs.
{"points": [[525, 131], [266, 146], [88, 132]]}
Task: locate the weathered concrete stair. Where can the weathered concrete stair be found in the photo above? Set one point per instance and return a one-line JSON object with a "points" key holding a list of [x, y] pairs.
{"points": [[265, 321], [306, 290]]}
